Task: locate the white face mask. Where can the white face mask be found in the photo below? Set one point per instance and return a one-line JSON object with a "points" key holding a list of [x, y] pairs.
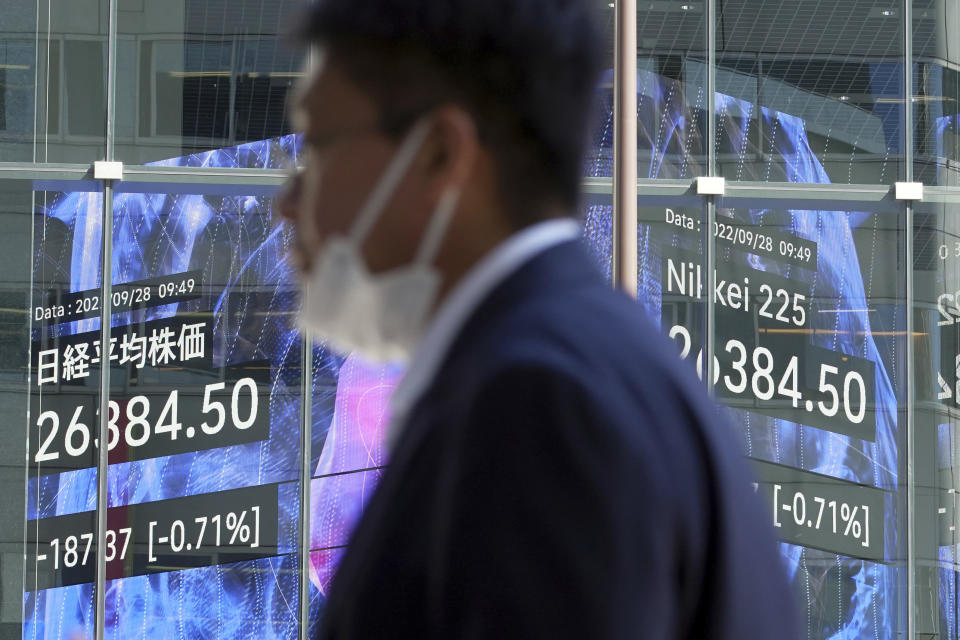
{"points": [[379, 316]]}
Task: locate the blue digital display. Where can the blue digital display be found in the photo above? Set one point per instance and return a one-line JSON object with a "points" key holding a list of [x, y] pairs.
{"points": [[838, 271], [232, 253], [244, 294]]}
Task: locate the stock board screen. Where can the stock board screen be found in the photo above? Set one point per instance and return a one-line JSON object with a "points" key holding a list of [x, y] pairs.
{"points": [[203, 421], [808, 362], [206, 392]]}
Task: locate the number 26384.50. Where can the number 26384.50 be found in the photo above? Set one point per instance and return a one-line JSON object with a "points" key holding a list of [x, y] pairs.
{"points": [[140, 423]]}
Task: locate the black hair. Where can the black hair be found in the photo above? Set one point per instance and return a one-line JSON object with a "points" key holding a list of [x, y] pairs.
{"points": [[526, 70]]}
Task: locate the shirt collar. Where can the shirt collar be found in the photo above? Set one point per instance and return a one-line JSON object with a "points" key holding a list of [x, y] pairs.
{"points": [[460, 304]]}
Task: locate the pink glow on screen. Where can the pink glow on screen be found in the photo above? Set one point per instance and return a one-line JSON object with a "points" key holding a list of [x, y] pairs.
{"points": [[354, 448]]}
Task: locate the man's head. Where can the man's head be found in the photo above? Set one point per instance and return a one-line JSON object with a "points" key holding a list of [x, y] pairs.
{"points": [[507, 87]]}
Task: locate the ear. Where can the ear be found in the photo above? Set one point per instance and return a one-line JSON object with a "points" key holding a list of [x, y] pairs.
{"points": [[451, 150]]}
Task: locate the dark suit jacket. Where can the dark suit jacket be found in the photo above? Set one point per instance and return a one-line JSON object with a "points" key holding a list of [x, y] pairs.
{"points": [[564, 477]]}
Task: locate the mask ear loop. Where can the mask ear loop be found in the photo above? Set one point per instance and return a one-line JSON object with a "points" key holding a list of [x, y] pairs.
{"points": [[437, 228], [389, 182]]}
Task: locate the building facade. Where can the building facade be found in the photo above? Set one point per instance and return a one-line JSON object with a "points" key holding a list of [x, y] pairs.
{"points": [[778, 183]]}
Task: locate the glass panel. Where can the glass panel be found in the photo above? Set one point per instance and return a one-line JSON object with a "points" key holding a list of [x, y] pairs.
{"points": [[823, 410], [936, 103], [63, 418], [201, 74], [810, 91], [597, 209], [936, 277], [599, 161], [670, 239], [72, 80], [15, 215], [597, 218], [809, 310], [204, 412], [53, 80], [671, 89], [18, 66]]}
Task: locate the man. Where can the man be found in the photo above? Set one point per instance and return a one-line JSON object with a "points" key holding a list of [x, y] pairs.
{"points": [[554, 473]]}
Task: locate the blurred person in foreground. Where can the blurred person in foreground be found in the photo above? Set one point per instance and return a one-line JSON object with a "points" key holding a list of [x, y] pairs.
{"points": [[554, 472]]}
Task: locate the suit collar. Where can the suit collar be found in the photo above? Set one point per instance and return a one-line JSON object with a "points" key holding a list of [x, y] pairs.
{"points": [[556, 271], [463, 301], [557, 268]]}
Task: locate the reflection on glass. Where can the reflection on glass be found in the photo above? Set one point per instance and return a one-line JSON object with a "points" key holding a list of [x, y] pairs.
{"points": [[596, 210], [936, 312], [64, 385], [599, 160], [17, 69], [809, 92], [671, 89], [53, 81], [936, 101], [16, 218], [809, 324], [202, 74]]}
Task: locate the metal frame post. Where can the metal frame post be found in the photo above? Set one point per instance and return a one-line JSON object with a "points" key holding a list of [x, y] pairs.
{"points": [[106, 280], [908, 174], [106, 262], [306, 446], [625, 147], [306, 474], [709, 241]]}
